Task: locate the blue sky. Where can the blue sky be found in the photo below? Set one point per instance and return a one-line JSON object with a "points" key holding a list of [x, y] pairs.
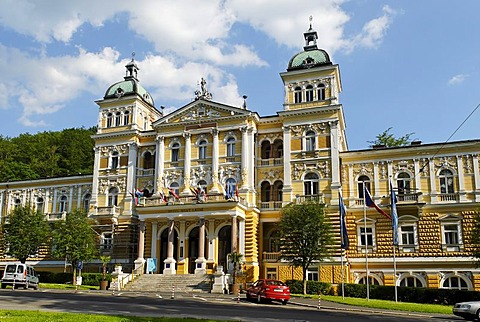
{"points": [[409, 65]]}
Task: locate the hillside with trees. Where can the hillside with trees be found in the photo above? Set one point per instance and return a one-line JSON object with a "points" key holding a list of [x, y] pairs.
{"points": [[47, 154]]}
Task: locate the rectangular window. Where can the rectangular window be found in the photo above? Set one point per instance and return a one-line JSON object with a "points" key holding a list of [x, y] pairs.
{"points": [[368, 236], [407, 234], [312, 274], [450, 234], [271, 273], [106, 241]]}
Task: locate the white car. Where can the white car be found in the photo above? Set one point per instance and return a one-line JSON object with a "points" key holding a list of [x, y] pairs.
{"points": [[467, 310]]}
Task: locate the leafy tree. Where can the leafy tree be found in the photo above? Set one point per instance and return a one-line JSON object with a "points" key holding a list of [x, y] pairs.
{"points": [[475, 240], [25, 232], [74, 240], [389, 140], [305, 235]]}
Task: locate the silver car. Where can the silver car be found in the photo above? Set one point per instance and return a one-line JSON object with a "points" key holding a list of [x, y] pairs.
{"points": [[467, 310]]}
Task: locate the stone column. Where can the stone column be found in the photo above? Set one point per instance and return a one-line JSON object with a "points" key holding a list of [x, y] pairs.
{"points": [[376, 182], [201, 262], [141, 245], [131, 169], [287, 170], [153, 253], [251, 159], [70, 199], [169, 262], [244, 160], [54, 203], [186, 164], [461, 179], [96, 169], [476, 175], [433, 181], [215, 161], [159, 164], [335, 157], [234, 234], [241, 237]]}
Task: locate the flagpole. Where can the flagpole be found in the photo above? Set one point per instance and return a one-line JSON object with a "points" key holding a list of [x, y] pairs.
{"points": [[365, 239], [395, 274], [343, 275], [394, 215]]}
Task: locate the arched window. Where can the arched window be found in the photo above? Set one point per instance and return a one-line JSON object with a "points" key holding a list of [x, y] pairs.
{"points": [[39, 204], [278, 191], [311, 184], [175, 151], [278, 149], [266, 150], [446, 181], [320, 92], [118, 118], [310, 141], [148, 161], [126, 117], [115, 160], [411, 281], [266, 191], [298, 94], [363, 181], [18, 202], [371, 280], [455, 282], [274, 241], [113, 196], [309, 93], [231, 147], [231, 187], [202, 149], [403, 183], [62, 207], [86, 201], [109, 119]]}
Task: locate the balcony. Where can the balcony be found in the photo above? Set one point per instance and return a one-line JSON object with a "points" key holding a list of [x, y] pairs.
{"points": [[145, 172], [270, 205], [56, 216], [107, 212], [270, 162], [315, 198], [448, 197], [271, 256], [156, 200]]}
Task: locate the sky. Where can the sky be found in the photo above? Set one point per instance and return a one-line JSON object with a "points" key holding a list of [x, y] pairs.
{"points": [[412, 66]]}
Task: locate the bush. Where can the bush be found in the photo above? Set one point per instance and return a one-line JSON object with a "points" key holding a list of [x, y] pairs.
{"points": [[313, 287], [92, 279]]}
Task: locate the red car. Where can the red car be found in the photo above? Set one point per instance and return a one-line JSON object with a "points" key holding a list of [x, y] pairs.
{"points": [[269, 290]]}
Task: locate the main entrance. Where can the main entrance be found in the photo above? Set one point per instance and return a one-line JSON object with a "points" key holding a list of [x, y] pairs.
{"points": [[164, 247], [193, 244], [224, 246]]}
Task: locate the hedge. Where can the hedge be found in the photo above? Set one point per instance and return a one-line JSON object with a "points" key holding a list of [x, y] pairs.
{"points": [[92, 279], [313, 287]]}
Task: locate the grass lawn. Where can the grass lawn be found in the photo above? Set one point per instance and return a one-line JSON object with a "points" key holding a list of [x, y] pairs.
{"points": [[67, 286], [37, 316], [390, 305]]}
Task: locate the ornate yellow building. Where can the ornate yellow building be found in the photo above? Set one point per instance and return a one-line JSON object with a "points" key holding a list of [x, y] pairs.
{"points": [[192, 186]]}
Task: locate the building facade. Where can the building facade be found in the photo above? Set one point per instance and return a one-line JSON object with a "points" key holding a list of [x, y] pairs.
{"points": [[208, 179]]}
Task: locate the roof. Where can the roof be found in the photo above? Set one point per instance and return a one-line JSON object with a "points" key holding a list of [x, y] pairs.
{"points": [[308, 59]]}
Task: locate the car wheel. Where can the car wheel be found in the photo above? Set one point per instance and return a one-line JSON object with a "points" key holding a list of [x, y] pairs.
{"points": [[284, 302], [477, 314], [248, 296], [259, 298], [35, 287]]}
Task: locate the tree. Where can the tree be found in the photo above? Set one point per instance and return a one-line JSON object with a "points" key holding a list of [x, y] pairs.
{"points": [[387, 139], [305, 235], [475, 240], [75, 240], [25, 232], [236, 259]]}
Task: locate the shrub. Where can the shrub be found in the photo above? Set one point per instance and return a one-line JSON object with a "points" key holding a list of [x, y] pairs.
{"points": [[92, 279], [313, 287]]}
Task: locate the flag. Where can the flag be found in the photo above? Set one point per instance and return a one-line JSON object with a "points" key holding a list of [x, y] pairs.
{"points": [[393, 204], [172, 192], [369, 203], [343, 226]]}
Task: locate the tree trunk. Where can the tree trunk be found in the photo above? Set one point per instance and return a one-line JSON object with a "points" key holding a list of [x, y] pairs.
{"points": [[304, 280]]}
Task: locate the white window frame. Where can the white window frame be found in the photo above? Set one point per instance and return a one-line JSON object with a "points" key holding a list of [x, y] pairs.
{"points": [[112, 199], [459, 277], [311, 186], [297, 95], [114, 160], [230, 141], [451, 220], [407, 221], [62, 203], [310, 141], [321, 92], [175, 148], [106, 241], [370, 226], [417, 279], [313, 274], [202, 149]]}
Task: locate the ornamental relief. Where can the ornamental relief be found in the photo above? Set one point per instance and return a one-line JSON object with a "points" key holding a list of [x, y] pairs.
{"points": [[325, 81], [468, 163], [200, 173], [404, 165], [107, 150], [424, 167], [105, 184], [231, 172], [445, 162], [271, 137], [272, 174], [200, 112], [324, 168], [363, 169], [383, 170], [298, 130], [172, 176]]}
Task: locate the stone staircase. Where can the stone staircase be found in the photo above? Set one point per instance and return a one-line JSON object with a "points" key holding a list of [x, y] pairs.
{"points": [[164, 283]]}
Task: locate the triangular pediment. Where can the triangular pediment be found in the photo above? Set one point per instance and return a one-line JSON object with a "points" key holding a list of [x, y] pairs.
{"points": [[202, 111]]}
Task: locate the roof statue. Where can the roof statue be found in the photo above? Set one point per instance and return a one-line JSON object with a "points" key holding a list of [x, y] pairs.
{"points": [[203, 93]]}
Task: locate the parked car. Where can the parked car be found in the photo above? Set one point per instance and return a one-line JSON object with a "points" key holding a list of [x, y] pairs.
{"points": [[269, 290], [467, 310], [20, 275]]}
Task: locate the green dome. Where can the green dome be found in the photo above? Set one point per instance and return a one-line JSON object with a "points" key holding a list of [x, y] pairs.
{"points": [[308, 59], [129, 87]]}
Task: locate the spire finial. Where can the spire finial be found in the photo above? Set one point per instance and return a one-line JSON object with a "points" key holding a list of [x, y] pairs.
{"points": [[133, 55], [310, 19]]}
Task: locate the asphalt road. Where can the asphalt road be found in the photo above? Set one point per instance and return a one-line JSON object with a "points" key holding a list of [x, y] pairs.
{"points": [[154, 305]]}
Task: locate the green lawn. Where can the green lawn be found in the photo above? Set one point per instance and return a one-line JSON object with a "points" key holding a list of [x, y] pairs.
{"points": [[37, 316], [390, 305]]}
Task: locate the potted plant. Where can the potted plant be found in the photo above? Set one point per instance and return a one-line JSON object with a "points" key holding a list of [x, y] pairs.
{"points": [[236, 259], [105, 260]]}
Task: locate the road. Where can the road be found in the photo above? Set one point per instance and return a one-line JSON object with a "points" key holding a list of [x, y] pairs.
{"points": [[198, 307]]}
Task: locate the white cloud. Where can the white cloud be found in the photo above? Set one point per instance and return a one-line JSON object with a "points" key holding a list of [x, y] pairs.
{"points": [[457, 79]]}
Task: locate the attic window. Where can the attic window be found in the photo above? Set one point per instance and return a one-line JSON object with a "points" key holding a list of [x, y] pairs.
{"points": [[119, 92], [308, 62]]}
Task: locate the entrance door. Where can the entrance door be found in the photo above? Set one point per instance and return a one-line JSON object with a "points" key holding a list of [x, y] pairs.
{"points": [[224, 246], [164, 247], [193, 244]]}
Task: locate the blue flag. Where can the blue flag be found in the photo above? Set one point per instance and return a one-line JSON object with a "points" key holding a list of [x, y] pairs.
{"points": [[343, 226], [393, 203]]}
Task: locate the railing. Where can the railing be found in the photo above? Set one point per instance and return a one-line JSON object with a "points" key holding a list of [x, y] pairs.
{"points": [[271, 256], [273, 205], [56, 216], [107, 211], [272, 161], [145, 172], [408, 197], [302, 198], [187, 200], [448, 197]]}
